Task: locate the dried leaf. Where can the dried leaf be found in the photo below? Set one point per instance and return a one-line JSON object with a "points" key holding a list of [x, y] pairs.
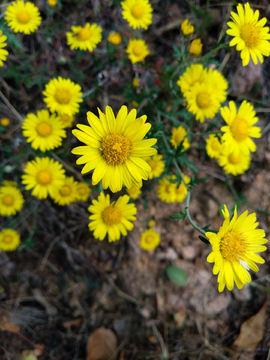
{"points": [[34, 353], [6, 325], [102, 345]]}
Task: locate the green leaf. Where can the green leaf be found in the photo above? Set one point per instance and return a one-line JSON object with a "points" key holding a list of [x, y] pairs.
{"points": [[176, 275], [203, 239], [178, 216]]}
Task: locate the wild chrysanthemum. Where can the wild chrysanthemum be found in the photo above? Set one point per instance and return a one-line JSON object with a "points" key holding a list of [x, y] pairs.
{"points": [[213, 146], [43, 175], [138, 13], [11, 199], [115, 148], [157, 165], [43, 131], [115, 38], [84, 38], [3, 44], [113, 218], [193, 74], [239, 129], [23, 17], [83, 191], [137, 50], [250, 35], [218, 82], [5, 121], [166, 190], [187, 28], [234, 248], [63, 96], [234, 164], [202, 101], [9, 240], [134, 192], [179, 135], [150, 239], [68, 192], [67, 120], [195, 47]]}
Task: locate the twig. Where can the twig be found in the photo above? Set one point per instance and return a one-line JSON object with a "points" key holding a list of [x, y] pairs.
{"points": [[11, 107], [79, 175]]}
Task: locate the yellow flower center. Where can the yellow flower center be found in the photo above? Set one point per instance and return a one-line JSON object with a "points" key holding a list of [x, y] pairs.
{"points": [[239, 129], [23, 17], [235, 159], [82, 191], [168, 188], [111, 215], [8, 200], [203, 100], [233, 246], [84, 34], [44, 177], [137, 11], [65, 191], [216, 144], [44, 129], [149, 239], [65, 118], [116, 148], [62, 96], [251, 35], [7, 239], [138, 50]]}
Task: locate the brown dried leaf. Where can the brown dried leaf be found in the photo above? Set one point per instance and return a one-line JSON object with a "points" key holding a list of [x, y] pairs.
{"points": [[36, 352], [6, 325], [102, 345]]}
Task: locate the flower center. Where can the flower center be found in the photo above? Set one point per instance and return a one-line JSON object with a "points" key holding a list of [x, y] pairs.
{"points": [[216, 145], [44, 177], [65, 118], [138, 50], [251, 35], [116, 148], [233, 246], [7, 239], [239, 129], [111, 215], [8, 200], [203, 100], [149, 239], [23, 17], [65, 191], [137, 11], [84, 34], [168, 188], [82, 191], [235, 159], [62, 96], [44, 129]]}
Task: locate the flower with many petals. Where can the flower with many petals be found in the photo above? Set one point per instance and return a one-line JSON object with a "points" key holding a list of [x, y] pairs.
{"points": [[179, 135], [213, 146], [138, 13], [169, 192], [3, 44], [84, 38], [68, 193], [67, 120], [9, 240], [157, 165], [137, 50], [192, 75], [83, 191], [234, 164], [134, 192], [150, 240], [11, 199]]}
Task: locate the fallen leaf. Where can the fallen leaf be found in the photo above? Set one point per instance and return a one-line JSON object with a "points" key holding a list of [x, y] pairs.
{"points": [[35, 353], [6, 325], [102, 345]]}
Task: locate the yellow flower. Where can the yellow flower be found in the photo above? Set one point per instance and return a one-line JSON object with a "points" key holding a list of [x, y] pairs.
{"points": [[157, 165], [151, 223], [196, 47], [112, 218], [181, 191], [23, 17], [84, 38], [150, 239], [115, 38], [234, 164], [134, 104], [3, 52], [168, 191], [68, 193], [83, 190], [187, 28], [239, 129], [134, 192], [67, 120], [137, 50], [43, 175], [52, 2], [138, 13], [11, 199], [178, 135], [115, 148], [5, 121], [63, 96], [10, 183], [43, 131], [136, 82], [234, 248], [250, 35], [213, 146], [193, 74], [9, 240], [219, 84]]}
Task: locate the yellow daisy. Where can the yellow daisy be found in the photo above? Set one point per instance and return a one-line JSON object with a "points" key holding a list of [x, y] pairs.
{"points": [[218, 82], [9, 183], [3, 52], [11, 199], [137, 50], [166, 190], [84, 38], [202, 101], [4, 121], [67, 120], [52, 2], [213, 146], [234, 248], [239, 129], [187, 28], [63, 96], [115, 148], [151, 223], [134, 192], [43, 175], [115, 38], [180, 135], [9, 240], [83, 191], [138, 13], [68, 192], [157, 165], [193, 74], [181, 191], [23, 17], [250, 35], [234, 164], [43, 131], [113, 218], [150, 239], [195, 47]]}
